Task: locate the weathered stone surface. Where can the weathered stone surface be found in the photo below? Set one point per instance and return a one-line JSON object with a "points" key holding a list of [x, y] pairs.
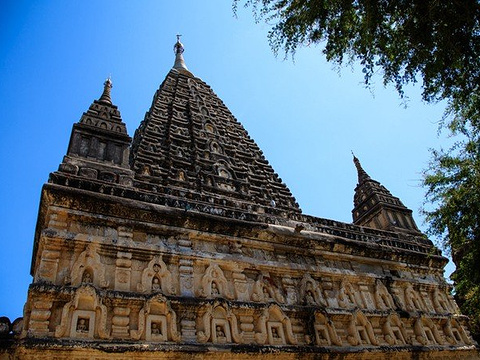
{"points": [[197, 250]]}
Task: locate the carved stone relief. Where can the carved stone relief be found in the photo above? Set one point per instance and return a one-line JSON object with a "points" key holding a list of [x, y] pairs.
{"points": [[185, 270], [38, 320], [291, 290], [311, 291], [360, 331], [214, 283], [264, 290], [413, 302], [47, 271], [426, 332], [440, 301], [83, 317], [218, 324], [88, 269], [394, 331], [347, 298], [325, 333], [123, 271], [121, 322], [383, 299], [240, 285], [274, 327], [157, 321], [454, 333], [156, 278]]}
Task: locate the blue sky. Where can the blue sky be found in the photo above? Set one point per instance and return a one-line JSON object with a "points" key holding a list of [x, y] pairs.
{"points": [[305, 115]]}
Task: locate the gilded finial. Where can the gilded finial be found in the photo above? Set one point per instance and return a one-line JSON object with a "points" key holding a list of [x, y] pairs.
{"points": [[107, 86]]}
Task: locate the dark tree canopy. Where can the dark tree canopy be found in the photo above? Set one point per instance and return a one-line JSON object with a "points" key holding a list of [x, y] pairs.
{"points": [[437, 43]]}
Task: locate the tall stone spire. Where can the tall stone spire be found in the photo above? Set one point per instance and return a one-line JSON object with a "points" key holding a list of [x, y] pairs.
{"points": [[376, 207], [192, 149]]}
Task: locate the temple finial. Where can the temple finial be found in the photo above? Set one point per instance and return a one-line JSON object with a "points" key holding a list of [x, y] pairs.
{"points": [[178, 50], [362, 174], [107, 86]]}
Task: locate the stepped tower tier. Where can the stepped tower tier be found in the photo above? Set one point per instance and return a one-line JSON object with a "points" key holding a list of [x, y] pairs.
{"points": [[190, 146], [376, 207], [99, 144]]}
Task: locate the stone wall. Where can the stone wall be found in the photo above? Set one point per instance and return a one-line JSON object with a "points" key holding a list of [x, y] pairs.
{"points": [[192, 281]]}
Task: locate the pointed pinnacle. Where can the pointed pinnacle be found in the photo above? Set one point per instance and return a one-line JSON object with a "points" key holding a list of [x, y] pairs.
{"points": [[107, 86], [362, 174], [179, 49]]}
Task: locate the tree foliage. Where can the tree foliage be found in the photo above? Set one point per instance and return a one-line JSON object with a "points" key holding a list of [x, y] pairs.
{"points": [[435, 42], [453, 185]]}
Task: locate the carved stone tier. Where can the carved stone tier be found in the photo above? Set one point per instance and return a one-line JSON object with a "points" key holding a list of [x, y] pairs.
{"points": [[376, 207], [190, 147], [184, 281], [99, 144]]}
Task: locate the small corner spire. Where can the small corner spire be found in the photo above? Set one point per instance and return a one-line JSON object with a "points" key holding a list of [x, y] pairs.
{"points": [[178, 49], [362, 174], [107, 86]]}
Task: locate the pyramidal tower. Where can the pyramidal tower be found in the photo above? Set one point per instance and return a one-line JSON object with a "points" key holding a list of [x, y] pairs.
{"points": [[183, 243]]}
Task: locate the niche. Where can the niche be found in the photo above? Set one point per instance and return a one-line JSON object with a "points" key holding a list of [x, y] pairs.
{"points": [[218, 324], [274, 327], [325, 333]]}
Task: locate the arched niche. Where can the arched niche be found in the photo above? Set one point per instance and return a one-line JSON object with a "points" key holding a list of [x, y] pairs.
{"points": [[311, 291], [218, 324], [273, 327], [215, 147], [325, 333], [394, 331], [264, 290], [413, 302], [181, 175], [346, 295], [214, 283], [440, 301], [83, 317], [89, 269], [157, 322], [156, 278], [426, 332], [204, 111], [383, 298], [224, 170], [455, 333], [87, 275], [360, 330], [147, 170]]}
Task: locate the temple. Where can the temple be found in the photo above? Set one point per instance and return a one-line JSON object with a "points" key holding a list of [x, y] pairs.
{"points": [[184, 243]]}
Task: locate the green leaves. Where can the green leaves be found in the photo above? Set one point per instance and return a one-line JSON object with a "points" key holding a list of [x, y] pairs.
{"points": [[453, 188]]}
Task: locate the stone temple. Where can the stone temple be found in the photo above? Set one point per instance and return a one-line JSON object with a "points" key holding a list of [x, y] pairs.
{"points": [[184, 243]]}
